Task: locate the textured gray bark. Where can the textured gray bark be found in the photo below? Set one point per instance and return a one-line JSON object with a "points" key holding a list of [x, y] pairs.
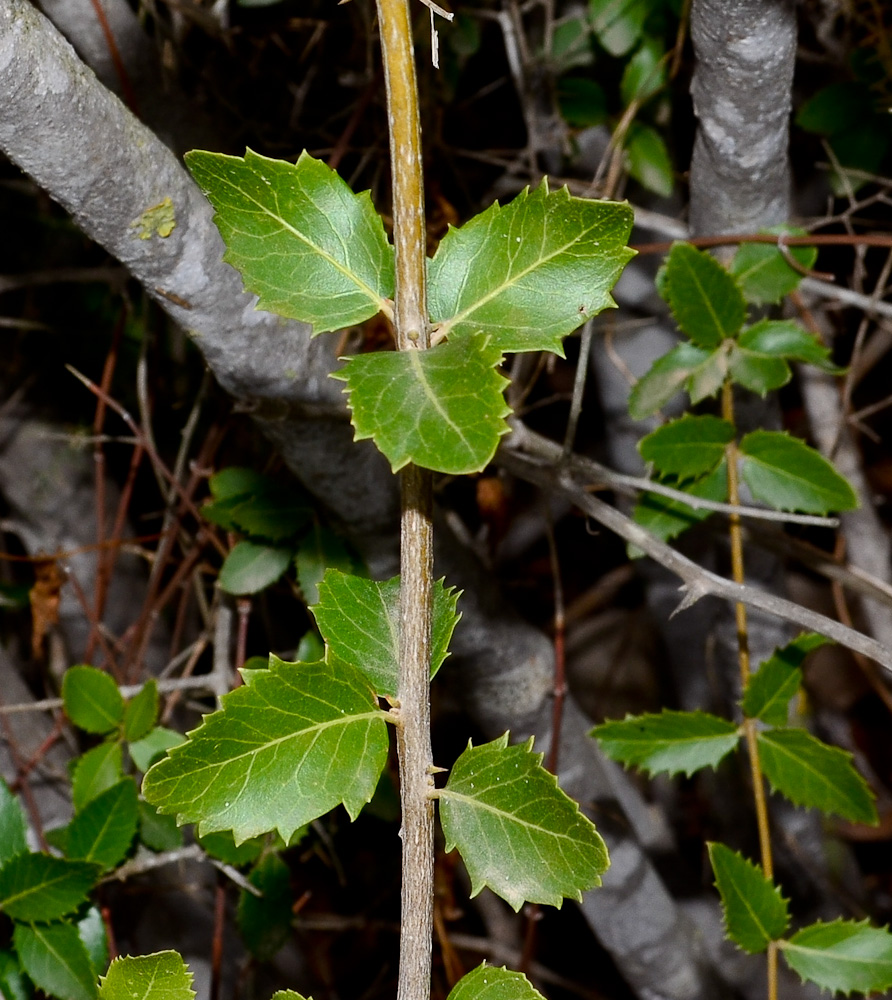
{"points": [[742, 90]]}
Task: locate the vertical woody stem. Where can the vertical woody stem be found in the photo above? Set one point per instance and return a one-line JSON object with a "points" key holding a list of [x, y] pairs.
{"points": [[416, 534]]}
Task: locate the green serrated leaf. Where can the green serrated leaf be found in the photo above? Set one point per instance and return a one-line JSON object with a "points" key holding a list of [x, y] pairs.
{"points": [[707, 379], [321, 549], [670, 742], [304, 243], [13, 825], [516, 831], [777, 680], [582, 102], [550, 262], [162, 976], [666, 377], [359, 620], [41, 887], [95, 771], [667, 518], [842, 956], [157, 832], [755, 911], [760, 373], [56, 961], [782, 338], [705, 300], [250, 567], [92, 699], [104, 829], [293, 742], [145, 752], [265, 921], [618, 23], [688, 447], [287, 995], [786, 473], [275, 517], [220, 845], [763, 271], [489, 982], [812, 774], [235, 482], [649, 161], [13, 984], [442, 409], [141, 712], [94, 936], [644, 74]]}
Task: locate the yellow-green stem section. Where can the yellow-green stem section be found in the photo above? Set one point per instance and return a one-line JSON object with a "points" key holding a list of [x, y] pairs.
{"points": [[749, 725], [416, 525]]}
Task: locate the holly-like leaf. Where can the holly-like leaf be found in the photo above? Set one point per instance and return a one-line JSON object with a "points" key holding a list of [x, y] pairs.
{"points": [[141, 712], [649, 161], [41, 887], [292, 743], [162, 976], [157, 832], [516, 831], [842, 956], [782, 338], [265, 921], [688, 447], [666, 377], [304, 243], [95, 771], [645, 72], [530, 272], [778, 678], [705, 300], [13, 826], [144, 752], [13, 984], [755, 911], [56, 960], [92, 932], [221, 846], [359, 620], [812, 774], [92, 699], [670, 742], [319, 550], [442, 409], [250, 567], [619, 25], [667, 518], [786, 473], [489, 982], [760, 373], [763, 271], [104, 829]]}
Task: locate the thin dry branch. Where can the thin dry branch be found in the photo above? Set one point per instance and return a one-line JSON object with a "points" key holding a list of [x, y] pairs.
{"points": [[696, 581]]}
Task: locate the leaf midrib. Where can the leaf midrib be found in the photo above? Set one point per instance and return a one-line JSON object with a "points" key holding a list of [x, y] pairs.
{"points": [[360, 284], [448, 324]]}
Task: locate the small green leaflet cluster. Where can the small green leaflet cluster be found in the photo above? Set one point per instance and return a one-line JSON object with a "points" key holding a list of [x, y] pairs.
{"points": [[58, 938], [282, 529], [519, 277], [165, 976], [842, 956], [297, 739], [709, 305]]}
